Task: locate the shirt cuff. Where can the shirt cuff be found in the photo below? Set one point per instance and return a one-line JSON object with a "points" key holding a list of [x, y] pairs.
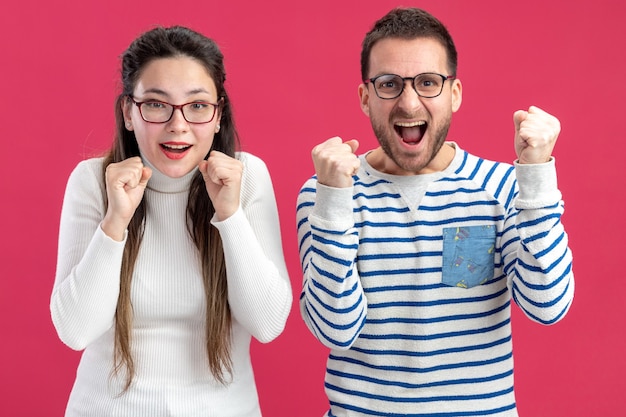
{"points": [[537, 185], [231, 220], [107, 238], [333, 206]]}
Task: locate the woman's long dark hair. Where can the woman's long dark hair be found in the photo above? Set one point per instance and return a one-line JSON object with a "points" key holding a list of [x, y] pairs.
{"points": [[159, 43]]}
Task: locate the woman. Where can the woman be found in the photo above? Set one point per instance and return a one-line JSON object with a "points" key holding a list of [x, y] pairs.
{"points": [[170, 256]]}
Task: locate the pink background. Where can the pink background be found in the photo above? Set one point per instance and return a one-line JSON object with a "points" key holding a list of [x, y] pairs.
{"points": [[293, 72]]}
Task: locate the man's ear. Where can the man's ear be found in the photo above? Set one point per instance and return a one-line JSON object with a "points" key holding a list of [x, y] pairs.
{"points": [[364, 97], [457, 94]]}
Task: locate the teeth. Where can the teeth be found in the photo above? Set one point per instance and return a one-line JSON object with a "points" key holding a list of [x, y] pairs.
{"points": [[175, 146], [411, 124]]}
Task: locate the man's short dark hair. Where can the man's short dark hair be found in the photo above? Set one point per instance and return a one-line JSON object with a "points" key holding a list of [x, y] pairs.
{"points": [[408, 23]]}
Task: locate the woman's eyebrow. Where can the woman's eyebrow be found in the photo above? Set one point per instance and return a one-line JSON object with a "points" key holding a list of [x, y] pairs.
{"points": [[164, 93]]}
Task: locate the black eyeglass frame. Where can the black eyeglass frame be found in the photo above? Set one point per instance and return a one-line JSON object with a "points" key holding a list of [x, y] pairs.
{"points": [[175, 107], [412, 79]]}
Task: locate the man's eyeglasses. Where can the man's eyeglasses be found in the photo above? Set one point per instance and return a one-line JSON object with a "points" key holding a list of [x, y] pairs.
{"points": [[427, 85], [153, 111]]}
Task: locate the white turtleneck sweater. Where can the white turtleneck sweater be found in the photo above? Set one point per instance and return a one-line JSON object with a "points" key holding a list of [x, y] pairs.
{"points": [[168, 335]]}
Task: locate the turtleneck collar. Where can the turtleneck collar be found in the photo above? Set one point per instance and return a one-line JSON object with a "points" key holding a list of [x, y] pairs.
{"points": [[161, 183]]}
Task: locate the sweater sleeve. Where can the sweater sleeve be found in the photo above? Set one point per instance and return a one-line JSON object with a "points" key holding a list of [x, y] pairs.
{"points": [[259, 290], [85, 292], [332, 302], [537, 259]]}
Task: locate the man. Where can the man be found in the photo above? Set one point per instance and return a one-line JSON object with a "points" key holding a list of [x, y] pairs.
{"points": [[412, 252]]}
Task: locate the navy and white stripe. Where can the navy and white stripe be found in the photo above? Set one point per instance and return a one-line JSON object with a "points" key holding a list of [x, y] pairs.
{"points": [[402, 341]]}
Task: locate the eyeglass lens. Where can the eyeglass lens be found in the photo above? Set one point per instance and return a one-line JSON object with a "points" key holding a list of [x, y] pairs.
{"points": [[159, 112], [426, 85]]}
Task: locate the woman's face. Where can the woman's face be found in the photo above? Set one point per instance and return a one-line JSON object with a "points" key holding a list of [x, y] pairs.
{"points": [[176, 146]]}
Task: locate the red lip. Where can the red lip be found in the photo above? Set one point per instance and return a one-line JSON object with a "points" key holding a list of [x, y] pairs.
{"points": [[175, 150]]}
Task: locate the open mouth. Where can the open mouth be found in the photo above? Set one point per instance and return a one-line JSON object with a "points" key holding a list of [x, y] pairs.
{"points": [[411, 132], [173, 148]]}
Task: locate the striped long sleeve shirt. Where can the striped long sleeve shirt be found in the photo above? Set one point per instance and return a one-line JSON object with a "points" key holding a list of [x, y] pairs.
{"points": [[409, 281]]}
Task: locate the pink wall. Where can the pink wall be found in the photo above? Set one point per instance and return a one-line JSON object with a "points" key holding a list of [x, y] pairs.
{"points": [[293, 75]]}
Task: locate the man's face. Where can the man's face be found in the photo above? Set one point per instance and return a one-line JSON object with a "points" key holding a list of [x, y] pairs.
{"points": [[410, 129]]}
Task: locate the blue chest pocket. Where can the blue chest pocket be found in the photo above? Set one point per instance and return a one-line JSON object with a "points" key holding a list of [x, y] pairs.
{"points": [[468, 255]]}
